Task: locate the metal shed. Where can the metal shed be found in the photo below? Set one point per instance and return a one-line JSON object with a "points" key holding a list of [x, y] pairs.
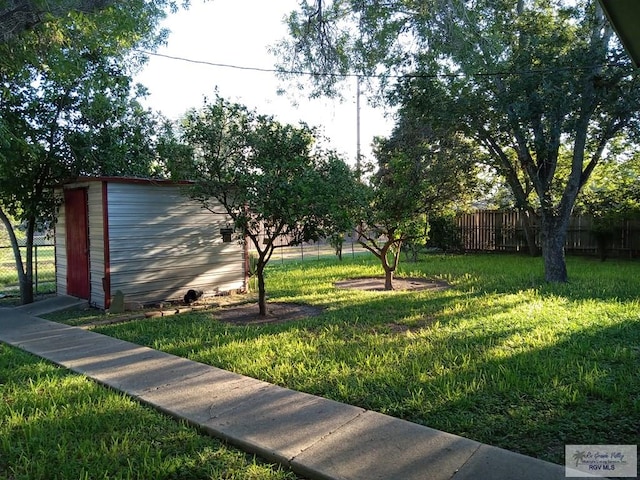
{"points": [[144, 238]]}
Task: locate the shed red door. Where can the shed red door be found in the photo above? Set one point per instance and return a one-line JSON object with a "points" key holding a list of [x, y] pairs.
{"points": [[75, 210]]}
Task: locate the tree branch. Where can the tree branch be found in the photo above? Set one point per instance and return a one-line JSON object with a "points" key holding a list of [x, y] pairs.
{"points": [[17, 16]]}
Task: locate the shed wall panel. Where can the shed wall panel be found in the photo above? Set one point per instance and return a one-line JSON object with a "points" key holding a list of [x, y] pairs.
{"points": [[60, 237], [96, 245], [162, 244]]}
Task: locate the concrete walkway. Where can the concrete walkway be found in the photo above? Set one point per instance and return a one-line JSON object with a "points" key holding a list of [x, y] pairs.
{"points": [[315, 437]]}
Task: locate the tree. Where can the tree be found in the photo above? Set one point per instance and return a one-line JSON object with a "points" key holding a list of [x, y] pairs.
{"points": [[391, 211], [523, 79], [270, 178], [611, 197], [16, 16], [67, 108], [417, 107], [419, 175]]}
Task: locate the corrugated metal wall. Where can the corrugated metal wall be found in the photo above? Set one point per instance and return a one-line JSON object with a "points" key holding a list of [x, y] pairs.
{"points": [[60, 237], [96, 244], [162, 244]]}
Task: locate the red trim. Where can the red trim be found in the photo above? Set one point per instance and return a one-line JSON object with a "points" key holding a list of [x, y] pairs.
{"points": [[106, 282]]}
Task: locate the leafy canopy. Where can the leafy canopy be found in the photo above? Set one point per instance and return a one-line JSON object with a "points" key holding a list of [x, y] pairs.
{"points": [[420, 175], [68, 107], [522, 79], [276, 183]]}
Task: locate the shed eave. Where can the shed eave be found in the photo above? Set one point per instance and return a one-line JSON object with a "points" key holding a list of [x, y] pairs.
{"points": [[130, 180]]}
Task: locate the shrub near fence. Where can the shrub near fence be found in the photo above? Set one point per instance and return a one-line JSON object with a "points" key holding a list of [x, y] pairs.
{"points": [[503, 231]]}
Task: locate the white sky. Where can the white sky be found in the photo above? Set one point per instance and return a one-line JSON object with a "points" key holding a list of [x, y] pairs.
{"points": [[239, 32]]}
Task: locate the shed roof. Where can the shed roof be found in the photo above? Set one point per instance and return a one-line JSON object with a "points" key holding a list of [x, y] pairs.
{"points": [[113, 179]]}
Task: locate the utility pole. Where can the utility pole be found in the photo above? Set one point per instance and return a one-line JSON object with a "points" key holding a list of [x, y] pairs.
{"points": [[358, 124]]}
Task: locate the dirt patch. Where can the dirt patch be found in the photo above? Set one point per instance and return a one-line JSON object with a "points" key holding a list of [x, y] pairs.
{"points": [[236, 314], [230, 311], [377, 284], [248, 314], [414, 327]]}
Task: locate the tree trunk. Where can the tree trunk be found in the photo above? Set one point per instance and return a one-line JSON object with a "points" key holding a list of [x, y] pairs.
{"points": [[388, 278], [25, 275], [553, 233], [262, 296], [382, 255], [389, 268], [27, 293], [528, 220]]}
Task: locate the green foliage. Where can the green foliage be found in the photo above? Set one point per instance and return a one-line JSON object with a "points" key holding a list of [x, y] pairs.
{"points": [[56, 425], [391, 212], [272, 179], [68, 108], [613, 191], [522, 79], [501, 357], [419, 175], [19, 16], [611, 197], [444, 234]]}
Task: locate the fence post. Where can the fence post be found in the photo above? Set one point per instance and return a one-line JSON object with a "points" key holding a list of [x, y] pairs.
{"points": [[35, 254]]}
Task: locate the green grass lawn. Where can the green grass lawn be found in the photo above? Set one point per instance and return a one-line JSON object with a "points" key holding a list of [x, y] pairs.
{"points": [[500, 357], [58, 425]]}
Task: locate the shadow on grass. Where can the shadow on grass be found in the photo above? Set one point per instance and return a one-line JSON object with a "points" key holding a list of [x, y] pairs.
{"points": [[59, 425], [581, 390], [494, 359], [589, 278]]}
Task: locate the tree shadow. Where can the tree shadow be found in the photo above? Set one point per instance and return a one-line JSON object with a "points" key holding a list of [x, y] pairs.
{"points": [[460, 362], [62, 425]]}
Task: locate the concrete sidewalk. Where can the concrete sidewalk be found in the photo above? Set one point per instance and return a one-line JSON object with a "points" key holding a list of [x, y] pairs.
{"points": [[315, 437]]}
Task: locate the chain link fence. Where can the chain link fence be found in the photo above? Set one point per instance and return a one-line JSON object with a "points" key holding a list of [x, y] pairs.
{"points": [[44, 270], [44, 267], [313, 250]]}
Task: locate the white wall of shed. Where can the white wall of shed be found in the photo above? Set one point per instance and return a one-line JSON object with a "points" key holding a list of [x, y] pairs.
{"points": [[163, 244], [96, 245], [60, 238]]}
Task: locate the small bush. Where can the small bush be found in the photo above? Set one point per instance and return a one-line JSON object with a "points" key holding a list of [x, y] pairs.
{"points": [[444, 234]]}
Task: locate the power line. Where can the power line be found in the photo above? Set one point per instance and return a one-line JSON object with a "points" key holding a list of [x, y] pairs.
{"points": [[379, 76], [259, 69]]}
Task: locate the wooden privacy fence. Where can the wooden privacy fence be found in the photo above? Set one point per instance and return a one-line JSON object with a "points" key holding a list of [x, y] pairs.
{"points": [[503, 231]]}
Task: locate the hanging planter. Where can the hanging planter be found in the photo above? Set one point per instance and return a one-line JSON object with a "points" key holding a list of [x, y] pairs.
{"points": [[226, 234]]}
